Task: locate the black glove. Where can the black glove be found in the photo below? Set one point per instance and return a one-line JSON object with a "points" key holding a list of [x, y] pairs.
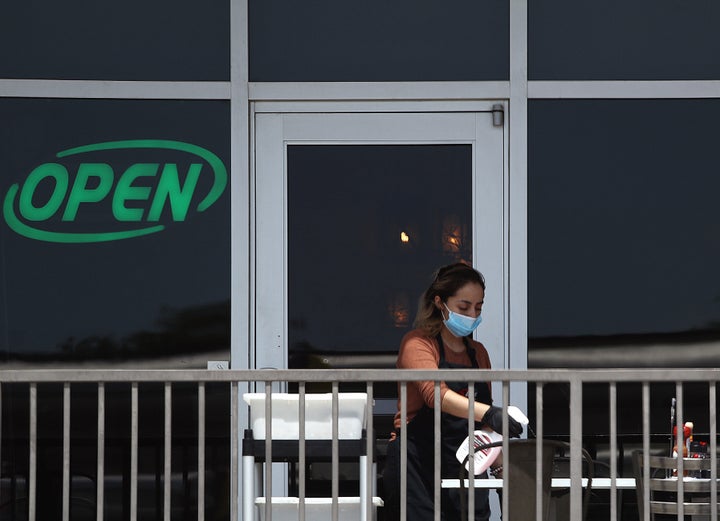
{"points": [[493, 419]]}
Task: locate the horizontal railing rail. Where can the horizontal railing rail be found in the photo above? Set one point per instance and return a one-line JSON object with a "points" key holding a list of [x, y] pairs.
{"points": [[267, 381]]}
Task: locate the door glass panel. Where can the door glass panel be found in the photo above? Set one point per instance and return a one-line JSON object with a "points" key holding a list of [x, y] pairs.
{"points": [[367, 226]]}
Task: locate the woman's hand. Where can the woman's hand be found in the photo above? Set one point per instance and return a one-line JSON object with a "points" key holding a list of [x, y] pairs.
{"points": [[493, 419], [457, 405]]}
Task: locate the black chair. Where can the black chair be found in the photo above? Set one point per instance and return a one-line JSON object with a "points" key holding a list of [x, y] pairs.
{"points": [[663, 487], [561, 468], [520, 464]]}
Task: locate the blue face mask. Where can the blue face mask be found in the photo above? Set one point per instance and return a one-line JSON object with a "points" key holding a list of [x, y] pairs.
{"points": [[460, 325]]}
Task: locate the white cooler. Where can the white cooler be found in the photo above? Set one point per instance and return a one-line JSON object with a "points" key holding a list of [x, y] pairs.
{"points": [[318, 415], [316, 508]]}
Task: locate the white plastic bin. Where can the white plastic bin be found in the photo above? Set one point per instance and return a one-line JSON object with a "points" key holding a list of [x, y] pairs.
{"points": [[316, 508], [318, 415]]}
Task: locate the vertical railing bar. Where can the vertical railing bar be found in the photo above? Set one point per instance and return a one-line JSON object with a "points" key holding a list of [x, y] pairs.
{"points": [[713, 450], [133, 450], [100, 485], [369, 452], [506, 452], [403, 451], [335, 452], [437, 461], [201, 452], [268, 450], [471, 451], [646, 449], [301, 448], [613, 451], [66, 453], [576, 397], [234, 451], [539, 445], [680, 445], [32, 492], [1, 408], [168, 452]]}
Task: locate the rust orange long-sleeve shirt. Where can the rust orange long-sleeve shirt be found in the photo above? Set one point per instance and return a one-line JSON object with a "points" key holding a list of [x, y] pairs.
{"points": [[418, 351]]}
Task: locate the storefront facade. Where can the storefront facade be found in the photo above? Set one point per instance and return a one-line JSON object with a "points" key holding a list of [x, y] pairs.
{"points": [[272, 184]]}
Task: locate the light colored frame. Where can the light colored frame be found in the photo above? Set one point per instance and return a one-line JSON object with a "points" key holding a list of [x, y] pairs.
{"points": [[373, 123]]}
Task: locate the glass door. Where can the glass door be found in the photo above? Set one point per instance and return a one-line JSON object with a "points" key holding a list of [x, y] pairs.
{"points": [[352, 214]]}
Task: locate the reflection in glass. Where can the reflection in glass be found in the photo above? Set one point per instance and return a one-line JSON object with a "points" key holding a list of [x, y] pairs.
{"points": [[402, 40], [367, 226], [399, 310], [644, 40], [623, 233]]}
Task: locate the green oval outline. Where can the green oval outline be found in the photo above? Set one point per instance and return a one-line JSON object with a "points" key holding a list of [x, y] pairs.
{"points": [[42, 235], [219, 183]]}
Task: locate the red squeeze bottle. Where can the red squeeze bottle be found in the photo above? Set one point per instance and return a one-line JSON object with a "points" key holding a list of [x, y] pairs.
{"points": [[687, 438]]}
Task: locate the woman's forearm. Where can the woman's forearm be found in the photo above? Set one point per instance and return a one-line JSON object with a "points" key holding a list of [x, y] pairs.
{"points": [[457, 405]]}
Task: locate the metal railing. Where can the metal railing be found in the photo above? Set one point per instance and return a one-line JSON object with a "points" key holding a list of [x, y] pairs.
{"points": [[240, 381]]}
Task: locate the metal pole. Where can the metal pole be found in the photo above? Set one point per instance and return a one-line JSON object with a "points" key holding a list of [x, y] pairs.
{"points": [[201, 452], [133, 450], [168, 452], [32, 492], [66, 453], [613, 451], [100, 485], [403, 452], [576, 397]]}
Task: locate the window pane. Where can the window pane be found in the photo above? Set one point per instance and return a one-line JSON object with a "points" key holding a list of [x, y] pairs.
{"points": [[367, 224], [618, 40], [403, 40], [162, 296], [624, 230], [162, 40]]}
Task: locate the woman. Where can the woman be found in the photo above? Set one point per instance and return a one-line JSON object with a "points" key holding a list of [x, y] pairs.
{"points": [[448, 313]]}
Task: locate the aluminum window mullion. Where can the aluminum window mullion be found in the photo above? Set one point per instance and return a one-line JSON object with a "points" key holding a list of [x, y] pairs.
{"points": [[624, 89], [101, 89]]}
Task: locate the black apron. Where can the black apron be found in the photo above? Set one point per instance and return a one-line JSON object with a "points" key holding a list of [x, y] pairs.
{"points": [[420, 456]]}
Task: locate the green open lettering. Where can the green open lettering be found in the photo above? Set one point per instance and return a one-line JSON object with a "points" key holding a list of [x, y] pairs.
{"points": [[82, 193], [169, 189], [126, 191], [34, 213]]}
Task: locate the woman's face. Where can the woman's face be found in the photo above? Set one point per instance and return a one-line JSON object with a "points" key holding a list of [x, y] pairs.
{"points": [[468, 300]]}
